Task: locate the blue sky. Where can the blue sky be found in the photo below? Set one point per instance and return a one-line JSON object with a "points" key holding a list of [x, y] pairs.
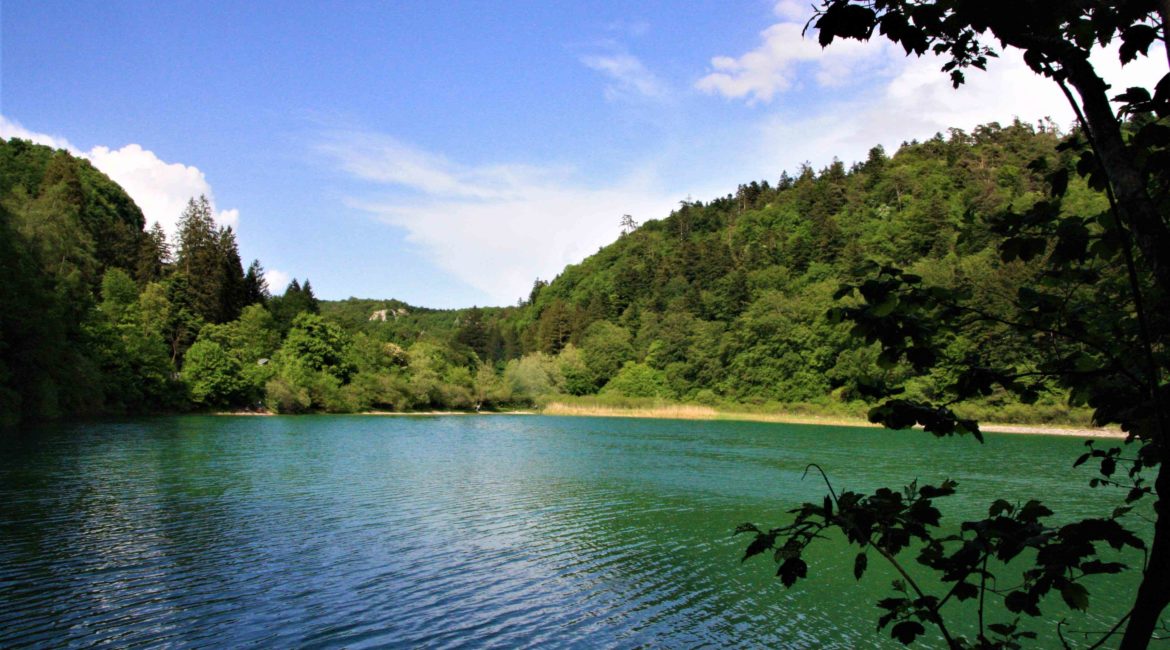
{"points": [[448, 153]]}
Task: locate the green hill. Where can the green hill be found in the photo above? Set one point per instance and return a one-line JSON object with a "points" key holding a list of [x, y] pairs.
{"points": [[724, 302], [727, 300]]}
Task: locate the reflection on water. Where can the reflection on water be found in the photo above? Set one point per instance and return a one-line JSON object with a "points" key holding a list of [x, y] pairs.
{"points": [[460, 531]]}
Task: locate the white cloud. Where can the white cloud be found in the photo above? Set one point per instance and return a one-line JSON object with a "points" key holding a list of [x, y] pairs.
{"points": [[629, 77], [160, 189], [776, 65], [919, 101], [11, 129], [277, 280], [499, 227], [793, 10], [228, 218], [891, 98]]}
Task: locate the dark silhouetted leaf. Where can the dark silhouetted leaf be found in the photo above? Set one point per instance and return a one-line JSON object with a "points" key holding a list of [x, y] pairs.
{"points": [[1075, 596], [907, 631], [860, 563]]}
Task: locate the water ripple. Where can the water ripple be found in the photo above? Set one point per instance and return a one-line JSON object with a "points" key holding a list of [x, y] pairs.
{"points": [[439, 533]]}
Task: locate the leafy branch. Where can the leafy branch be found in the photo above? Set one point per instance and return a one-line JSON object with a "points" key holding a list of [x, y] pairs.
{"points": [[893, 523]]}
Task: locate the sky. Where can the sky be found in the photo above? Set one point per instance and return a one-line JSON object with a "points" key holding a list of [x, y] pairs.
{"points": [[449, 153]]}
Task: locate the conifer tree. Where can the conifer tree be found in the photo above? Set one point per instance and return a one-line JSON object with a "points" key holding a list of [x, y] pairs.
{"points": [[199, 258], [154, 254], [255, 286], [297, 298], [474, 333], [232, 287], [312, 305]]}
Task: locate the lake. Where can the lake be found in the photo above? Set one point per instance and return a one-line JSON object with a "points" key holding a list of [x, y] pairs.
{"points": [[467, 531]]}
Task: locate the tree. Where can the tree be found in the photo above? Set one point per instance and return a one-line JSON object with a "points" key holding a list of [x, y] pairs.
{"points": [[473, 333], [312, 365], [604, 348], [255, 286], [556, 326], [576, 377], [198, 258], [1098, 318], [119, 293], [637, 380], [233, 289], [295, 300], [154, 254], [213, 376], [532, 376], [628, 224], [318, 345]]}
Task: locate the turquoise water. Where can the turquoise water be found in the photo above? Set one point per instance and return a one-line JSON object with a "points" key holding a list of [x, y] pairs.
{"points": [[466, 531]]}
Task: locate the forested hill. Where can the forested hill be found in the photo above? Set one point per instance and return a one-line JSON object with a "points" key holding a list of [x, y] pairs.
{"points": [[91, 217], [95, 312], [62, 223], [724, 302], [727, 300]]}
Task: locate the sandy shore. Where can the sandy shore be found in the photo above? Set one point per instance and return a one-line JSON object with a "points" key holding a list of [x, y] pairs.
{"points": [[690, 412], [394, 413], [1053, 430], [428, 413], [694, 412]]}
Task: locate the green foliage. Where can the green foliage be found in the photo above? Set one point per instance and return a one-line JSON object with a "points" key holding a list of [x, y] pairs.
{"points": [[62, 225], [574, 372], [213, 376], [119, 294], [295, 300], [604, 348], [208, 259], [532, 377], [638, 380], [317, 346]]}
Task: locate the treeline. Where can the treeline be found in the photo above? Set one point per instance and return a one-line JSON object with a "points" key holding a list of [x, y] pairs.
{"points": [[720, 302]]}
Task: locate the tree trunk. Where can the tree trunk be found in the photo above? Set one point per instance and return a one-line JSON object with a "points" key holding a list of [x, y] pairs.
{"points": [[1150, 233], [1154, 593], [1137, 209]]}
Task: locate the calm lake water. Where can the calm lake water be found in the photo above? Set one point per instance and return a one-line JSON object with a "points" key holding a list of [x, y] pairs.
{"points": [[500, 531]]}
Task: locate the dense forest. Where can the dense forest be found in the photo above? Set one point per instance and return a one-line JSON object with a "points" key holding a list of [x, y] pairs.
{"points": [[720, 303]]}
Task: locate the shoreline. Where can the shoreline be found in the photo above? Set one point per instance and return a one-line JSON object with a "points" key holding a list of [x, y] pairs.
{"points": [[706, 413], [688, 412]]}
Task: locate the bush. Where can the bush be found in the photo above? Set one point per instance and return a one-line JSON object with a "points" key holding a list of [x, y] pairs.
{"points": [[638, 380]]}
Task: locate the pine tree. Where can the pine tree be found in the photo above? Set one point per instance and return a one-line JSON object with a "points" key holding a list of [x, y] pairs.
{"points": [[199, 259], [474, 333], [197, 236], [297, 298], [255, 286], [311, 303], [232, 289], [154, 254]]}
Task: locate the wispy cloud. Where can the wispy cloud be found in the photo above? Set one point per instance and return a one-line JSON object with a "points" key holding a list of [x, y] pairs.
{"points": [[383, 159], [633, 28], [495, 227], [160, 189], [629, 79]]}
